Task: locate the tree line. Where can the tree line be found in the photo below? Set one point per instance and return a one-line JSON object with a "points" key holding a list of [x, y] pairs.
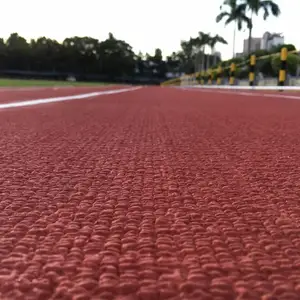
{"points": [[113, 59], [89, 58]]}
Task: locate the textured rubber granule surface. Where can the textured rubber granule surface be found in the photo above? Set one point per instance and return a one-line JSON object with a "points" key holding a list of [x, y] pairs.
{"points": [[152, 194]]}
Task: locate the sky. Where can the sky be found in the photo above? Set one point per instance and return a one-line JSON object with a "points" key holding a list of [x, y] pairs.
{"points": [[144, 24]]}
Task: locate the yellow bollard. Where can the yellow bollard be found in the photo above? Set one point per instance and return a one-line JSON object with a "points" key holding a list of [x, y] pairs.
{"points": [[232, 74], [202, 77], [209, 77], [283, 66], [252, 70], [219, 75]]}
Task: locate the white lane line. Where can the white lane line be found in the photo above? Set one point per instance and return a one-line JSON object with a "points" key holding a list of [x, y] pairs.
{"points": [[55, 87], [65, 98], [243, 93]]}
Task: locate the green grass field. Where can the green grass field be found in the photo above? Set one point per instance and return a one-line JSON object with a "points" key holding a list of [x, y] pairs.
{"points": [[4, 82]]}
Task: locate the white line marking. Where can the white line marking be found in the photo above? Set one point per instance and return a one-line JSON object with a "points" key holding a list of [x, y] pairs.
{"points": [[55, 87], [245, 87], [65, 98], [219, 91]]}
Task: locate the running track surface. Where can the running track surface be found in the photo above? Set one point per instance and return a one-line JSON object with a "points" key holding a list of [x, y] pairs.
{"points": [[152, 194]]}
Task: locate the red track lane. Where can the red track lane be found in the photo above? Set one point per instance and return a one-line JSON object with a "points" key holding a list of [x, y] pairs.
{"points": [[15, 95], [153, 194]]}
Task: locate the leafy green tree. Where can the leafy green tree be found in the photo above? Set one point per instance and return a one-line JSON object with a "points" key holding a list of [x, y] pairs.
{"points": [[118, 58], [3, 54], [159, 63], [140, 64], [174, 63], [277, 49], [18, 50], [156, 65], [44, 54], [293, 62], [82, 54], [186, 56]]}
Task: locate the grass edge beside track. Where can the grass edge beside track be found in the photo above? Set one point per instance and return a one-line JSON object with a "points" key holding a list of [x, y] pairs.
{"points": [[4, 82]]}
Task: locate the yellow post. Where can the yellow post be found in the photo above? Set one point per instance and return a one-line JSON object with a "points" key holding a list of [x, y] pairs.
{"points": [[232, 74], [252, 70], [209, 76], [198, 77], [219, 75], [195, 78], [202, 77], [283, 66]]}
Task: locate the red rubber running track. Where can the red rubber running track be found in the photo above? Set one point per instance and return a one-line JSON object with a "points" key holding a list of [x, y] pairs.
{"points": [[152, 194]]}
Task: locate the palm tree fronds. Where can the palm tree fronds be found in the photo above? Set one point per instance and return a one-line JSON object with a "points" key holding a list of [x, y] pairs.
{"points": [[229, 20], [222, 15]]}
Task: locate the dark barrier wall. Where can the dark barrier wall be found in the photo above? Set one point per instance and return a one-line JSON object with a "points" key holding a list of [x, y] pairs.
{"points": [[17, 74]]}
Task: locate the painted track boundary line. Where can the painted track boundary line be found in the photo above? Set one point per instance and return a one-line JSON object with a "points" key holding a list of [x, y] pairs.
{"points": [[65, 98], [251, 94]]}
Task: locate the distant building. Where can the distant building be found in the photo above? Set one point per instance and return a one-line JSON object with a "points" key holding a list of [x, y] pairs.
{"points": [[217, 54], [239, 54], [267, 42], [255, 45], [270, 40]]}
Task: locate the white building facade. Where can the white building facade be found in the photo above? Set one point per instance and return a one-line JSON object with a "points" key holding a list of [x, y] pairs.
{"points": [[270, 40], [266, 42]]}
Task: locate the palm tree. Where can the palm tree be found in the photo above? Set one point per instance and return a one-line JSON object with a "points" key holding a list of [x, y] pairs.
{"points": [[189, 50], [255, 6], [195, 50], [203, 40], [213, 42], [236, 15]]}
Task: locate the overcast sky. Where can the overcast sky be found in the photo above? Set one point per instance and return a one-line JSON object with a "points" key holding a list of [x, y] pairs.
{"points": [[146, 25]]}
